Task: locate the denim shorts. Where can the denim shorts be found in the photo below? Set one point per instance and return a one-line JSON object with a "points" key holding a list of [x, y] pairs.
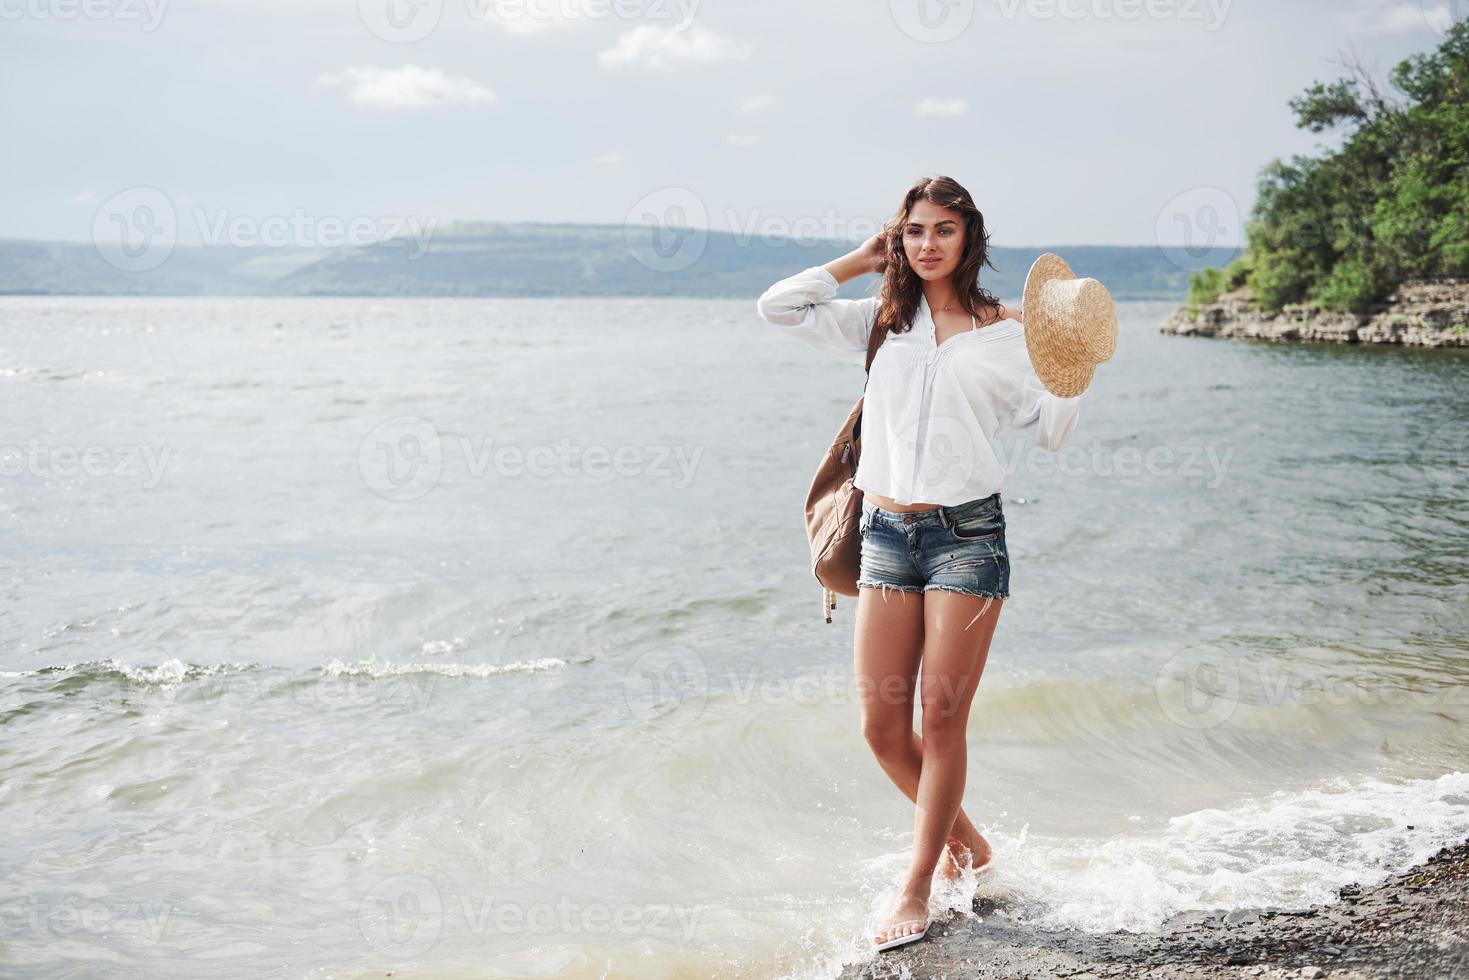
{"points": [[958, 549]]}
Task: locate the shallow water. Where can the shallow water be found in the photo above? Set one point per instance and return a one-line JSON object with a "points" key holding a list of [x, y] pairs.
{"points": [[300, 678]]}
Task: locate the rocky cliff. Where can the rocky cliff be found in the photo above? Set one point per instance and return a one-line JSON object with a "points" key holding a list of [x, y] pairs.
{"points": [[1420, 313]]}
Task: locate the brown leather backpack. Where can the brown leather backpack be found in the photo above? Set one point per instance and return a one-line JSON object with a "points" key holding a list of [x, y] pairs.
{"points": [[834, 505]]}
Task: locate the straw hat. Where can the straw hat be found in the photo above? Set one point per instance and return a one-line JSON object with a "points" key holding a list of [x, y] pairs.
{"points": [[1070, 325]]}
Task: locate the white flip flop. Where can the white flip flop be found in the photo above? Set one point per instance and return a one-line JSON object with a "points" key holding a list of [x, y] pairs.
{"points": [[911, 938]]}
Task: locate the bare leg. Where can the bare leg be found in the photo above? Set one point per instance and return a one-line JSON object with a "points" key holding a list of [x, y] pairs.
{"points": [[952, 659], [889, 647]]}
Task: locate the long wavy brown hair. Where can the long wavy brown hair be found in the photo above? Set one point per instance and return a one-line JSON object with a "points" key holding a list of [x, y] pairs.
{"points": [[902, 288]]}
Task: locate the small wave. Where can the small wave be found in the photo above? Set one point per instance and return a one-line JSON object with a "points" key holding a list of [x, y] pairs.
{"points": [[1292, 849], [170, 671], [1243, 698], [375, 668]]}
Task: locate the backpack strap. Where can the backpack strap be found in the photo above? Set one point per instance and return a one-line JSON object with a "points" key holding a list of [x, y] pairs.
{"points": [[874, 341]]}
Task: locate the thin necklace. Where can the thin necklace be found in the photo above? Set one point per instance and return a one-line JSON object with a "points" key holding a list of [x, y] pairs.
{"points": [[945, 309]]}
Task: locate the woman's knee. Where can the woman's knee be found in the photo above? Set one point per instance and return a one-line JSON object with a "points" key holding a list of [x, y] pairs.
{"points": [[944, 720], [887, 730]]}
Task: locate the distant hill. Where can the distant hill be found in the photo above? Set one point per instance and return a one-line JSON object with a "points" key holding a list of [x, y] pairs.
{"points": [[532, 259]]}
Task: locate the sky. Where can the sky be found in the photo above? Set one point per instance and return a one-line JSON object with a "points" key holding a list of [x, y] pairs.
{"points": [[319, 122]]}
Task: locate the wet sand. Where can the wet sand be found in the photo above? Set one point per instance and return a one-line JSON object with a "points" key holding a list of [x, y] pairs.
{"points": [[1415, 924]]}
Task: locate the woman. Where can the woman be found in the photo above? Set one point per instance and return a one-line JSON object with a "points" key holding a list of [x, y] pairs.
{"points": [[951, 369]]}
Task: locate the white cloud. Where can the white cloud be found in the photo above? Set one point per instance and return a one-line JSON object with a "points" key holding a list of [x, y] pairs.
{"points": [[84, 197], [755, 103], [941, 107], [609, 159], [742, 139], [1399, 18], [664, 48], [408, 87]]}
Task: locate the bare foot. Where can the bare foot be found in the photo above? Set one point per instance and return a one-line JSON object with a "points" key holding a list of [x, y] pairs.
{"points": [[908, 906], [980, 852], [950, 867], [958, 855]]}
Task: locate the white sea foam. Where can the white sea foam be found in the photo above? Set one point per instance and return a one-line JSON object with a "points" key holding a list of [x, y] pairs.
{"points": [[377, 668], [437, 647], [1290, 850], [169, 672]]}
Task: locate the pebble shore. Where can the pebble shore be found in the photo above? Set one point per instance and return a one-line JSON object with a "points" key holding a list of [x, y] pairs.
{"points": [[1413, 925]]}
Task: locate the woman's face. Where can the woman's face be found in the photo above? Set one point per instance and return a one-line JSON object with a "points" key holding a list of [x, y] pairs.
{"points": [[933, 240]]}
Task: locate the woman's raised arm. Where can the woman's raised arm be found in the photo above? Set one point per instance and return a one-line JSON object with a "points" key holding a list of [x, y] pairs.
{"points": [[805, 306]]}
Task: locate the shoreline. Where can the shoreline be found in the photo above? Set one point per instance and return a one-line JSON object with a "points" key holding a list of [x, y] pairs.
{"points": [[1415, 924], [1418, 314]]}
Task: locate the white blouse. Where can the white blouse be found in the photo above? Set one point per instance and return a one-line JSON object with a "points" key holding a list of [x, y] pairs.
{"points": [[932, 410]]}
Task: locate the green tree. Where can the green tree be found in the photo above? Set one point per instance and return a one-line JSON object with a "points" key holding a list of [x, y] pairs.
{"points": [[1342, 230]]}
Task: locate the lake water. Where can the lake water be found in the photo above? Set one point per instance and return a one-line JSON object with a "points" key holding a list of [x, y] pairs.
{"points": [[478, 638]]}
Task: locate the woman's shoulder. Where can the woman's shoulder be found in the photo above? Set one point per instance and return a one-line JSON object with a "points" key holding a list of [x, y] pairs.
{"points": [[1002, 313]]}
